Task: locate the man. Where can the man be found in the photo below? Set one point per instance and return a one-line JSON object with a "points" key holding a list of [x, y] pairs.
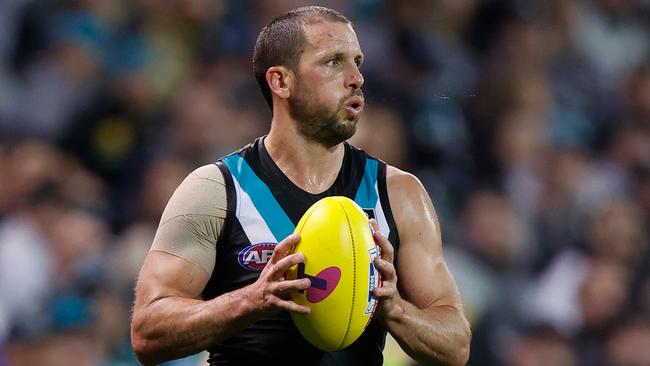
{"points": [[198, 290]]}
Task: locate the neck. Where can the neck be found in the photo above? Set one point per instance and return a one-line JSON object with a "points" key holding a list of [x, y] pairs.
{"points": [[308, 164]]}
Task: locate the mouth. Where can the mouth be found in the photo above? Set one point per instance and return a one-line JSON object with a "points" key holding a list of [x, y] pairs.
{"points": [[354, 106]]}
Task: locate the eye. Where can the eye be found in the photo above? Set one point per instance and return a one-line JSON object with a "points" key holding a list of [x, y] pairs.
{"points": [[333, 62]]}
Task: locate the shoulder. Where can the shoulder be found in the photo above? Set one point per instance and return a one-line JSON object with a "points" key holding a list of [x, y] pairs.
{"points": [[410, 202], [203, 181], [202, 192], [404, 184], [194, 217], [208, 171]]}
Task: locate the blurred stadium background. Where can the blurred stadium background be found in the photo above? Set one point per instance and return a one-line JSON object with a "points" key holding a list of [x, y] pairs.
{"points": [[527, 121]]}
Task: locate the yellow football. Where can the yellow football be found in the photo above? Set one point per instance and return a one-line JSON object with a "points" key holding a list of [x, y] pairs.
{"points": [[339, 251]]}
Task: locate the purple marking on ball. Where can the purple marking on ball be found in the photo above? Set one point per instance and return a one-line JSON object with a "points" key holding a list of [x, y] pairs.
{"points": [[332, 276]]}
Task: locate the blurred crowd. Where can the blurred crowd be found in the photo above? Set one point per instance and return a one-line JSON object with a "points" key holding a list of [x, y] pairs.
{"points": [[527, 121]]}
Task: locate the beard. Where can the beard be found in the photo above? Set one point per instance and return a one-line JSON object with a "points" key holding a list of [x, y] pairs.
{"points": [[318, 123]]}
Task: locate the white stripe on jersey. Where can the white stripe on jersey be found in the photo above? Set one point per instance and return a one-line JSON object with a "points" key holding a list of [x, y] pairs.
{"points": [[380, 217], [250, 219]]}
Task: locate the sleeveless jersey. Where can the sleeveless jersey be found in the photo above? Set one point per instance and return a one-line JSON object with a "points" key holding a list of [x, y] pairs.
{"points": [[263, 208]]}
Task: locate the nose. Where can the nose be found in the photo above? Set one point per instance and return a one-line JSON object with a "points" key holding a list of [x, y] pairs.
{"points": [[355, 79]]}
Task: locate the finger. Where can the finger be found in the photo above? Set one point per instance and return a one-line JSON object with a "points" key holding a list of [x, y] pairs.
{"points": [[385, 246], [384, 292], [284, 247], [285, 263], [282, 287], [373, 225], [386, 269], [292, 306]]}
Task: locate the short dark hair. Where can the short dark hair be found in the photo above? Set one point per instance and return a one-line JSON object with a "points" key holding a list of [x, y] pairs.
{"points": [[282, 42]]}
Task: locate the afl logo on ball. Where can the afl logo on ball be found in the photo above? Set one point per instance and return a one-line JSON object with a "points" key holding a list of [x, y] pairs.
{"points": [[255, 256]]}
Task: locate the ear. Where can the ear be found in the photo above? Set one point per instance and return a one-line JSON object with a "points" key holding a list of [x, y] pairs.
{"points": [[280, 79]]}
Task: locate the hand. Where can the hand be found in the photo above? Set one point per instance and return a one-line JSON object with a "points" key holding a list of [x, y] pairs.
{"points": [[270, 293], [387, 293]]}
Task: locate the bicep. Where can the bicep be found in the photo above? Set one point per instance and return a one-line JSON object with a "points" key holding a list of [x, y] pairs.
{"points": [[424, 279], [166, 275], [423, 276]]}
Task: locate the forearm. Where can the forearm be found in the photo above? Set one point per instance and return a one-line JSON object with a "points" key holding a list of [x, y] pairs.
{"points": [[439, 335], [174, 327]]}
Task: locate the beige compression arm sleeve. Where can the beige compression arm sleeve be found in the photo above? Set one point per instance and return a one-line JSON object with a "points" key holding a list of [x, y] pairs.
{"points": [[194, 217]]}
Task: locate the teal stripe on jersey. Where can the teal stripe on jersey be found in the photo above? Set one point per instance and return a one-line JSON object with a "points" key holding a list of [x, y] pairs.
{"points": [[367, 194], [267, 206]]}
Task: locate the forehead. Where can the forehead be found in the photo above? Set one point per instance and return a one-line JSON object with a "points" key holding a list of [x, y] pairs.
{"points": [[325, 36]]}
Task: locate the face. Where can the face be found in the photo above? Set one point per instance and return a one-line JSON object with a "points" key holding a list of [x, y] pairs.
{"points": [[326, 100]]}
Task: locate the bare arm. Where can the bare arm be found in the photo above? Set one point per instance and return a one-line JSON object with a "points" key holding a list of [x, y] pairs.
{"points": [[171, 321], [422, 309]]}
